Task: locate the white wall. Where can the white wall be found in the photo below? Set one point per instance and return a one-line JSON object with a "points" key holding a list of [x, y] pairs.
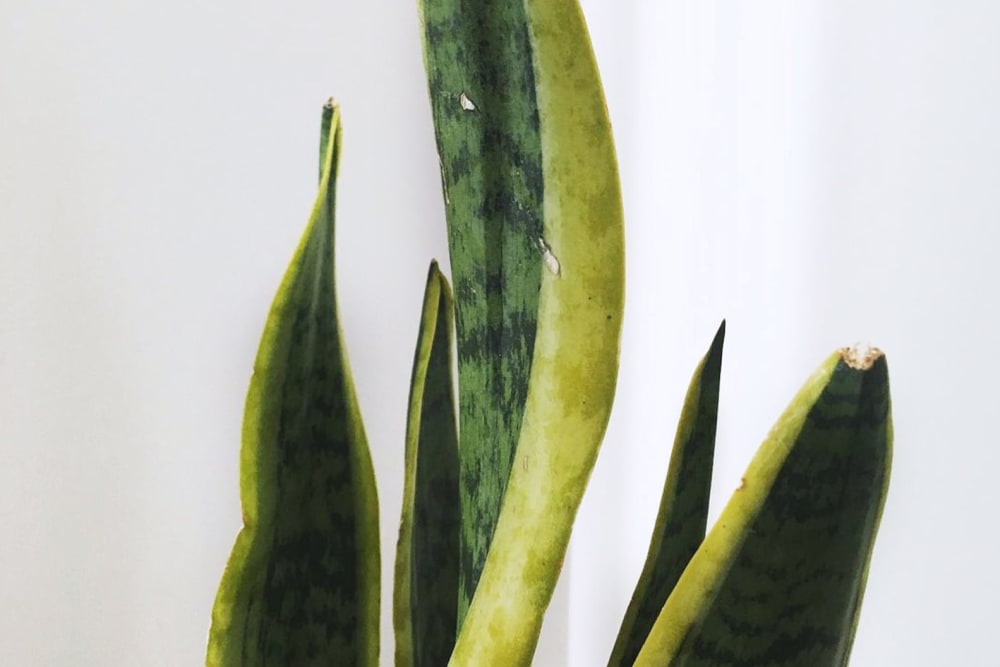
{"points": [[816, 172], [819, 173]]}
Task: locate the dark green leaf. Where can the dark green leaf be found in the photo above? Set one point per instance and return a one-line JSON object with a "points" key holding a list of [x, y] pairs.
{"points": [[779, 579], [302, 584], [426, 586], [683, 516]]}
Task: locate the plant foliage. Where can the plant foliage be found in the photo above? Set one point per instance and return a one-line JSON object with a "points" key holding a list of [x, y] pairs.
{"points": [[492, 484]]}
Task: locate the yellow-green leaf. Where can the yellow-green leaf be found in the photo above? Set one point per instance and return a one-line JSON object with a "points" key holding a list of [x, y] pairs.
{"points": [[575, 356]]}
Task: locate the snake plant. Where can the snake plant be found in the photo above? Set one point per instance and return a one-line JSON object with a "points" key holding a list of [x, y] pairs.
{"points": [[495, 467]]}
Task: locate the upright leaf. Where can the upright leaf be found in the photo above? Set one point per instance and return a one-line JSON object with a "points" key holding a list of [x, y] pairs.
{"points": [[302, 583], [580, 255], [779, 579], [683, 516], [426, 586], [483, 97]]}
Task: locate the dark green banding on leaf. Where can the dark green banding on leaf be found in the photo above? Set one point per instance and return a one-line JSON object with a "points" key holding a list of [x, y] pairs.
{"points": [[302, 583], [426, 585], [683, 516], [478, 57], [575, 360], [779, 580]]}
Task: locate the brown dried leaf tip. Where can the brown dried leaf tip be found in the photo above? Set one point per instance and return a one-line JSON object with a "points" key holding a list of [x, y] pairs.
{"points": [[860, 356]]}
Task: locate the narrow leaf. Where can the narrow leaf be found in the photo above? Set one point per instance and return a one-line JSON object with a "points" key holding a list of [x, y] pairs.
{"points": [[575, 356], [482, 86], [683, 516], [426, 586], [779, 579], [302, 583]]}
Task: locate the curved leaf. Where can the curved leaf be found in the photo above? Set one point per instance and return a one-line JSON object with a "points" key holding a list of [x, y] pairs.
{"points": [[779, 579], [302, 583], [575, 356]]}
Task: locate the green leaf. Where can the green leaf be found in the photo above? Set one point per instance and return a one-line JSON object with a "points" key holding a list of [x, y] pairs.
{"points": [[779, 579], [579, 254], [683, 516], [426, 586], [302, 583], [478, 57]]}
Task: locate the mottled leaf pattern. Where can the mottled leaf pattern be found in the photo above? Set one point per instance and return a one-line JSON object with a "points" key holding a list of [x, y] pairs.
{"points": [[574, 362], [302, 584], [482, 90], [778, 582]]}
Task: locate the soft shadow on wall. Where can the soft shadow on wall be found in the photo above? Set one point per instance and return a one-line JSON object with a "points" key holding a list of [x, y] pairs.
{"points": [[819, 175]]}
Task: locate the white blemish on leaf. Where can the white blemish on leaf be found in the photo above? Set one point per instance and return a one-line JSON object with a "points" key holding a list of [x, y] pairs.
{"points": [[551, 261], [466, 103]]}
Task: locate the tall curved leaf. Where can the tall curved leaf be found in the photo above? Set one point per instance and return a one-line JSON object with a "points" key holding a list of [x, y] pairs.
{"points": [[578, 252], [302, 583]]}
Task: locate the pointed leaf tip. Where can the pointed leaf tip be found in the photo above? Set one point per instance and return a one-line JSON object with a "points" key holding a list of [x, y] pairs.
{"points": [[426, 587], [683, 514], [780, 578], [302, 583]]}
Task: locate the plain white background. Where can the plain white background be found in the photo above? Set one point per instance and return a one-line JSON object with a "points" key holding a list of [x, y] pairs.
{"points": [[819, 173]]}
